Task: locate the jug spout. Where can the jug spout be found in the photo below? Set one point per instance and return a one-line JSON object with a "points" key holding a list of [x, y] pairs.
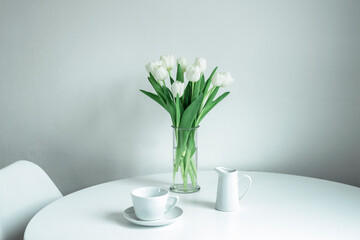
{"points": [[224, 171]]}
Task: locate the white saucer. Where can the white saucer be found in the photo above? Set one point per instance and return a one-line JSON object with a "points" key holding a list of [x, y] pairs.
{"points": [[168, 218]]}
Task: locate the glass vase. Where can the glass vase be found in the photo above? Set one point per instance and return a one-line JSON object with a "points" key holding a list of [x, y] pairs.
{"points": [[185, 160]]}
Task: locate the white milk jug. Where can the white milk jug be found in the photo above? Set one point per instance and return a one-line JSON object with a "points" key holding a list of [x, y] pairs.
{"points": [[227, 199]]}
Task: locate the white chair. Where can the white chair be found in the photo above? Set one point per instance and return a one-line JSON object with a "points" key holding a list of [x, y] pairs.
{"points": [[24, 189]]}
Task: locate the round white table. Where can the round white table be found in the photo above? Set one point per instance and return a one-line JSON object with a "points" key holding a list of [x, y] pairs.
{"points": [[278, 206]]}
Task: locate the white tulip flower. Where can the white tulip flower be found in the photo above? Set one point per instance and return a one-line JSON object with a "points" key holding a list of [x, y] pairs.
{"points": [[183, 63], [168, 61], [150, 67], [227, 79], [177, 88], [218, 79], [201, 62], [193, 73], [160, 73]]}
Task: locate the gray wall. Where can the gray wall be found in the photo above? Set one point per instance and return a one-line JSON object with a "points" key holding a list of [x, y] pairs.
{"points": [[70, 73]]}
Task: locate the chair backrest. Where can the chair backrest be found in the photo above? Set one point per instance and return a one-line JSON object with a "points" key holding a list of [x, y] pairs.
{"points": [[24, 189]]}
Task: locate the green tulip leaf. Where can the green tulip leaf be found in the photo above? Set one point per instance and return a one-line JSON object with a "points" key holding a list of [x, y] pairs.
{"points": [[158, 89], [197, 87], [155, 97], [189, 114], [187, 96], [187, 120], [172, 111], [168, 94], [209, 106], [181, 108], [202, 83], [212, 96], [178, 111], [208, 82], [180, 74]]}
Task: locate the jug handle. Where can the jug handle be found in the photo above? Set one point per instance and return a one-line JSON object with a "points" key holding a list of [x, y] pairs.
{"points": [[248, 188]]}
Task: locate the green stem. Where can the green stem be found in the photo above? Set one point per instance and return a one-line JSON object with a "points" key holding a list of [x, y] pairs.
{"points": [[184, 159], [192, 91], [184, 176], [193, 167], [202, 103], [187, 161], [182, 169], [193, 177], [206, 95]]}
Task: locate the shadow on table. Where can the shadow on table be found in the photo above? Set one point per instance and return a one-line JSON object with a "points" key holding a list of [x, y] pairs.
{"points": [[121, 220]]}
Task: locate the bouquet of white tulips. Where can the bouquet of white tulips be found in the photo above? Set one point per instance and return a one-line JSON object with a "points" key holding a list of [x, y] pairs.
{"points": [[187, 103]]}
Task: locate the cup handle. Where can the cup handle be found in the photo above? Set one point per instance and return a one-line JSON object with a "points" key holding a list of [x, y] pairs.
{"points": [[248, 188], [173, 204]]}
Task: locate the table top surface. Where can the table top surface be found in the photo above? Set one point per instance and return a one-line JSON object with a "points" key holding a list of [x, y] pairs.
{"points": [[278, 206]]}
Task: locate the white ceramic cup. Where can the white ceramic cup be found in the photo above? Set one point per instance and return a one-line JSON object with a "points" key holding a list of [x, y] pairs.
{"points": [[151, 203]]}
